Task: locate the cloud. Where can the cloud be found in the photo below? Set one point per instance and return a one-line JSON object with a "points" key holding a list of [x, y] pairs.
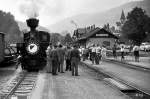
{"points": [[53, 7], [55, 10]]}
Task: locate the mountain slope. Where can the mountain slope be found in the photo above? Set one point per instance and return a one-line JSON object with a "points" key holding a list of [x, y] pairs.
{"points": [[99, 19]]}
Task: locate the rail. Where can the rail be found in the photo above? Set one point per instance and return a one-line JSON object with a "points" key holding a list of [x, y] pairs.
{"points": [[15, 86], [136, 88]]}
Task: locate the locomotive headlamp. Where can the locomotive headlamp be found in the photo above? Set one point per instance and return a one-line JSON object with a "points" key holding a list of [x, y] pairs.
{"points": [[32, 48]]}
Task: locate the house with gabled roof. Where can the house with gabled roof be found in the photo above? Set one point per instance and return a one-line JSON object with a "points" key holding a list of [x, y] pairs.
{"points": [[98, 36]]}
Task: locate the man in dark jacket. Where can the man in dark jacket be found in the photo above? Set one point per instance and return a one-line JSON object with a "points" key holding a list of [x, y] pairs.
{"points": [[75, 59], [61, 53], [54, 59], [67, 57]]}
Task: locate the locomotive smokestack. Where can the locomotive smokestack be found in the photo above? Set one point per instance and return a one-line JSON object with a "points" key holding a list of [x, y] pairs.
{"points": [[32, 23]]}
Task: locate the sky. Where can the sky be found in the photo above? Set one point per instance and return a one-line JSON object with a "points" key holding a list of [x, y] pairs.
{"points": [[52, 11]]}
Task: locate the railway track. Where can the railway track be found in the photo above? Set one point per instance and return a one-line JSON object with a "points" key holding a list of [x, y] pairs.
{"points": [[22, 85], [125, 87]]}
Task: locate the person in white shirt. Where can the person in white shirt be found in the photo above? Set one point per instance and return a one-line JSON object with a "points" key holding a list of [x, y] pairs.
{"points": [[93, 53], [80, 50], [103, 52], [122, 53], [136, 53], [98, 54], [49, 61]]}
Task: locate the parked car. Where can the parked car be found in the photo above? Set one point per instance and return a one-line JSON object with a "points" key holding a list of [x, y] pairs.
{"points": [[145, 46], [10, 55]]}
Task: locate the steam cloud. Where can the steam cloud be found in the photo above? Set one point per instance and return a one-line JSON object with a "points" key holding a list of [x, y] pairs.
{"points": [[30, 8]]}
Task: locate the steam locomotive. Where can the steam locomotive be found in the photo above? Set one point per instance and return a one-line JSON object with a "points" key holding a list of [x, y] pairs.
{"points": [[33, 48]]}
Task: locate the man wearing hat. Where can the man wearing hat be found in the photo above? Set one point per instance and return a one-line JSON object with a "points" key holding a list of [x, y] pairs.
{"points": [[67, 57], [75, 59], [61, 53], [54, 59]]}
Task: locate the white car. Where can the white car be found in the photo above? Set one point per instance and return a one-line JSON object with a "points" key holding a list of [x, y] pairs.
{"points": [[145, 46]]}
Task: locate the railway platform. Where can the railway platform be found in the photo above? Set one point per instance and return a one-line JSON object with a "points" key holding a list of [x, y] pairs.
{"points": [[66, 86], [89, 85], [144, 61], [136, 77]]}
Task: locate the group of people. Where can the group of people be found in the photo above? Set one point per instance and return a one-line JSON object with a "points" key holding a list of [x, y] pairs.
{"points": [[95, 53], [133, 49], [57, 55]]}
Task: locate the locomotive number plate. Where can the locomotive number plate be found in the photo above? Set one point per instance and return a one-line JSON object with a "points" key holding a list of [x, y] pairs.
{"points": [[32, 48]]}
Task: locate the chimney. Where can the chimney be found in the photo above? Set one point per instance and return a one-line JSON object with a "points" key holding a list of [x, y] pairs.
{"points": [[32, 23]]}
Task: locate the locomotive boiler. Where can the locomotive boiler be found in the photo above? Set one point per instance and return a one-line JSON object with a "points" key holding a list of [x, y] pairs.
{"points": [[33, 48]]}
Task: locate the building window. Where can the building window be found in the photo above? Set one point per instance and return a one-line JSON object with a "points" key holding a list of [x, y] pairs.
{"points": [[106, 43]]}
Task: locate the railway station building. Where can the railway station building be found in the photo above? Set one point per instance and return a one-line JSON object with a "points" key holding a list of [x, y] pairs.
{"points": [[97, 36]]}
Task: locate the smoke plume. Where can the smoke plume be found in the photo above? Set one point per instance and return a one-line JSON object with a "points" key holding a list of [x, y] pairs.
{"points": [[30, 8]]}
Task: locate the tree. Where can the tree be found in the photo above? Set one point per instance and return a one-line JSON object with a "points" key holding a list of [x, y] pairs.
{"points": [[9, 26], [147, 26], [113, 29], [133, 28], [109, 28], [68, 39], [55, 38]]}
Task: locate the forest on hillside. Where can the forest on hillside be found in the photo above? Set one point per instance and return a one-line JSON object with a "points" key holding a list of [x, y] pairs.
{"points": [[9, 27]]}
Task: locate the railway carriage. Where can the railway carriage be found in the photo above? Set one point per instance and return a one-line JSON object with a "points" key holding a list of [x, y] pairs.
{"points": [[2, 47], [33, 48]]}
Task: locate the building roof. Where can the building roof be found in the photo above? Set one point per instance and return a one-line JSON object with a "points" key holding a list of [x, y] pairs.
{"points": [[96, 30], [81, 30]]}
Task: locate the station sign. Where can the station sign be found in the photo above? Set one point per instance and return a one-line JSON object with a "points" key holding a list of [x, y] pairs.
{"points": [[101, 34]]}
